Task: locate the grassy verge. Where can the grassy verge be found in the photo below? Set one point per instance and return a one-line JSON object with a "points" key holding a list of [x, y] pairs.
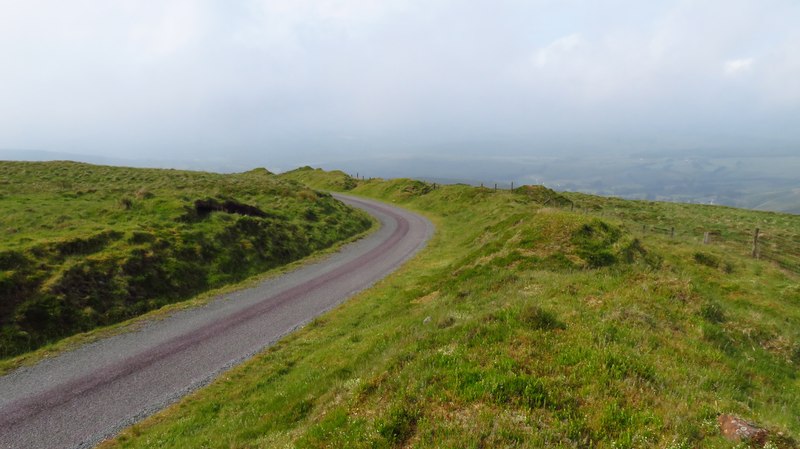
{"points": [[75, 341], [89, 246], [520, 325]]}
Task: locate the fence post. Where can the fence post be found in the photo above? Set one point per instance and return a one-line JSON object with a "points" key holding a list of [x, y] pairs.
{"points": [[706, 238], [644, 229], [495, 187], [512, 185], [571, 206], [672, 232], [755, 244]]}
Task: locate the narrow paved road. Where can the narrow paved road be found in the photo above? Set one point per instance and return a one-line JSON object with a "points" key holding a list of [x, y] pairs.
{"points": [[84, 396]]}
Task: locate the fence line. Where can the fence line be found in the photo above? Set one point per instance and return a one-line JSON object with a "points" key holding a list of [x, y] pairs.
{"points": [[760, 243]]}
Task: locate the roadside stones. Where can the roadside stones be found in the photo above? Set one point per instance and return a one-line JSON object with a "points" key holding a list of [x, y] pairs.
{"points": [[737, 429]]}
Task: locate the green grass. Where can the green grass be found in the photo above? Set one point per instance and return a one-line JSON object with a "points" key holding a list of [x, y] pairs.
{"points": [[729, 229], [65, 344], [521, 326], [325, 180], [88, 246]]}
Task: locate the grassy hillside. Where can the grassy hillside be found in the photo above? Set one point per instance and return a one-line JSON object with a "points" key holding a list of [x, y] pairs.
{"points": [[334, 180], [524, 325], [86, 246]]}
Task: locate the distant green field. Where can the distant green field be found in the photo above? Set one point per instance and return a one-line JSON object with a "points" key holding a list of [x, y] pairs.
{"points": [[528, 322], [86, 246]]}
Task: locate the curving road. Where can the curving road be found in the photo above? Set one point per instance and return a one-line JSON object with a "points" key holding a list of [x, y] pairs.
{"points": [[84, 396]]}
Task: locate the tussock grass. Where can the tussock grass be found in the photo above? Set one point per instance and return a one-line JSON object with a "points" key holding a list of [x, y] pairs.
{"points": [[520, 325]]}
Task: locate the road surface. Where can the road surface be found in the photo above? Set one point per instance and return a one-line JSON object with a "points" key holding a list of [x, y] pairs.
{"points": [[81, 397]]}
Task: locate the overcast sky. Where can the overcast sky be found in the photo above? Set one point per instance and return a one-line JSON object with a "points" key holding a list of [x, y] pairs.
{"points": [[309, 81]]}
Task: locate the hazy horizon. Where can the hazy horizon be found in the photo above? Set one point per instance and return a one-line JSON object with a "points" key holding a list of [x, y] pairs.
{"points": [[264, 82], [603, 98]]}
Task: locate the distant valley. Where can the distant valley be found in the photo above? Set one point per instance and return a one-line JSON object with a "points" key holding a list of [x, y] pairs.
{"points": [[770, 182]]}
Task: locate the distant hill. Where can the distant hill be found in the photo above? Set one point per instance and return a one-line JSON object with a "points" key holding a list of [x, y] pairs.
{"points": [[216, 166]]}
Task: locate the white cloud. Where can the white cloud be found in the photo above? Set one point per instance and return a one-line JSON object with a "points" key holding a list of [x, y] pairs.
{"points": [[167, 29], [256, 71], [177, 25], [778, 74], [279, 23], [737, 66], [558, 48]]}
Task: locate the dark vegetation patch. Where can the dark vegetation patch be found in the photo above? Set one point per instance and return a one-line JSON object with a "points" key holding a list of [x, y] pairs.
{"points": [[594, 242], [707, 259], [79, 246], [535, 317], [417, 188], [399, 424], [712, 312], [713, 261], [543, 196], [204, 207]]}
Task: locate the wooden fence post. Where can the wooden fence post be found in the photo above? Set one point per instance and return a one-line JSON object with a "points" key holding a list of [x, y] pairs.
{"points": [[512, 185], [755, 244], [495, 187], [706, 238], [672, 232]]}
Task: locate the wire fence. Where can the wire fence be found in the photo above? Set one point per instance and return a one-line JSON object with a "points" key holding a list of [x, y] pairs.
{"points": [[777, 245], [780, 246]]}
